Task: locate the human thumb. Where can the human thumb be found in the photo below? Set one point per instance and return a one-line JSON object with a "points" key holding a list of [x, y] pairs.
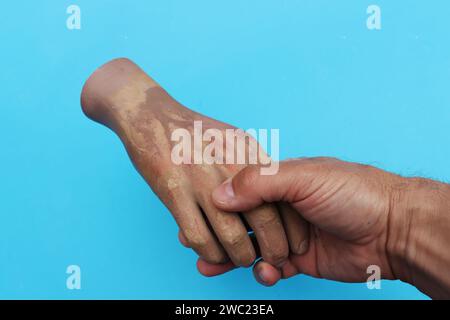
{"points": [[249, 189]]}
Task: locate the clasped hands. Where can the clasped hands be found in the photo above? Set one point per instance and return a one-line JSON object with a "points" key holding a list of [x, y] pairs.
{"points": [[318, 216], [122, 97]]}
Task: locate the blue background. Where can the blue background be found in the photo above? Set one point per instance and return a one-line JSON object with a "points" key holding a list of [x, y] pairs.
{"points": [[68, 192]]}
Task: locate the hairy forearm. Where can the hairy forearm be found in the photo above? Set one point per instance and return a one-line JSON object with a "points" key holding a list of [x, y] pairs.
{"points": [[419, 235]]}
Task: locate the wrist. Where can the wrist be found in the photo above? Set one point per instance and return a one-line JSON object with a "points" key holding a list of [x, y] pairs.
{"points": [[117, 87], [419, 234]]}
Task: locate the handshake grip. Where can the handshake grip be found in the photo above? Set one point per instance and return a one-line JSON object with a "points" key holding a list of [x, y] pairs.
{"points": [[124, 98]]}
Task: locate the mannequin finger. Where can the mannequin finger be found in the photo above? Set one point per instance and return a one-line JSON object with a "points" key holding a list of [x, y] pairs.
{"points": [[268, 228], [231, 233], [297, 228], [194, 229]]}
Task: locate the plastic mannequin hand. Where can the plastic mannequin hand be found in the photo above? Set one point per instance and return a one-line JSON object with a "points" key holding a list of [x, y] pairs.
{"points": [[122, 97]]}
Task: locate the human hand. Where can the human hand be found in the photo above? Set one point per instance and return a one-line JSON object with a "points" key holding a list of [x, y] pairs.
{"points": [[358, 216], [121, 96]]}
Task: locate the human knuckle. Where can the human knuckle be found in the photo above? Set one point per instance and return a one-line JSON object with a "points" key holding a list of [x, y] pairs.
{"points": [[248, 176]]}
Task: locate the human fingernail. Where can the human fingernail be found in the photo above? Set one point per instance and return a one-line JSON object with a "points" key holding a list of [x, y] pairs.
{"points": [[262, 276], [224, 193]]}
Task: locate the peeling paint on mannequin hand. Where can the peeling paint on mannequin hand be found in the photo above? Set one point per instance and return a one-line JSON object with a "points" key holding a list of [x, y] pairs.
{"points": [[121, 96]]}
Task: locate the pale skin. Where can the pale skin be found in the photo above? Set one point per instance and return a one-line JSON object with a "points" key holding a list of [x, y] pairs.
{"points": [[358, 216], [124, 98]]}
